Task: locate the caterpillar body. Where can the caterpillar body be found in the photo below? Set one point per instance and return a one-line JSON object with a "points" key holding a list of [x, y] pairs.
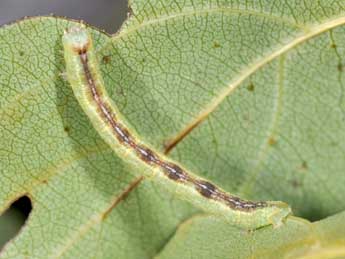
{"points": [[84, 76]]}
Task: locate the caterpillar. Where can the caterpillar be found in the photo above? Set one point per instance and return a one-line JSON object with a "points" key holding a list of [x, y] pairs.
{"points": [[84, 76]]}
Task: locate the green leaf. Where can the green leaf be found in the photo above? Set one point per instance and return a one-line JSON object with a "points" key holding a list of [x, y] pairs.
{"points": [[260, 83], [207, 237], [50, 152]]}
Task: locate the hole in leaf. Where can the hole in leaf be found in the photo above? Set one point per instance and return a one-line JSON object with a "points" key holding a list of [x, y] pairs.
{"points": [[13, 219]]}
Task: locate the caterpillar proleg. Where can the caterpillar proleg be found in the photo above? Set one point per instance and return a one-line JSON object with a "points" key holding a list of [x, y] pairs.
{"points": [[84, 76]]}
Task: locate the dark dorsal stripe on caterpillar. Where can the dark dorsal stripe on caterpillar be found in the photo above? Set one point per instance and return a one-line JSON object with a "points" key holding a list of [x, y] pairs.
{"points": [[84, 76]]}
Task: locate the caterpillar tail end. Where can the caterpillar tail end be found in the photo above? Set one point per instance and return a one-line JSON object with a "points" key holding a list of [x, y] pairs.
{"points": [[274, 213], [279, 214]]}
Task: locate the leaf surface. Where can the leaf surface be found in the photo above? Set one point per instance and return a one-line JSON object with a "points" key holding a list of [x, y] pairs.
{"points": [[207, 237], [251, 93]]}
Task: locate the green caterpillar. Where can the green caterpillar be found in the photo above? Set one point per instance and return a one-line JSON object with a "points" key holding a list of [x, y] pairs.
{"points": [[84, 76]]}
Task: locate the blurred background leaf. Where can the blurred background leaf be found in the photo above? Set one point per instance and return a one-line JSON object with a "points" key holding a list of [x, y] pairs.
{"points": [[104, 14]]}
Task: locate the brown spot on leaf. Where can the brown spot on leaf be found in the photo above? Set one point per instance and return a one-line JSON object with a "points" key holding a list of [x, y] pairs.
{"points": [[216, 45], [340, 67], [106, 59], [295, 183], [251, 87], [304, 165], [272, 141]]}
